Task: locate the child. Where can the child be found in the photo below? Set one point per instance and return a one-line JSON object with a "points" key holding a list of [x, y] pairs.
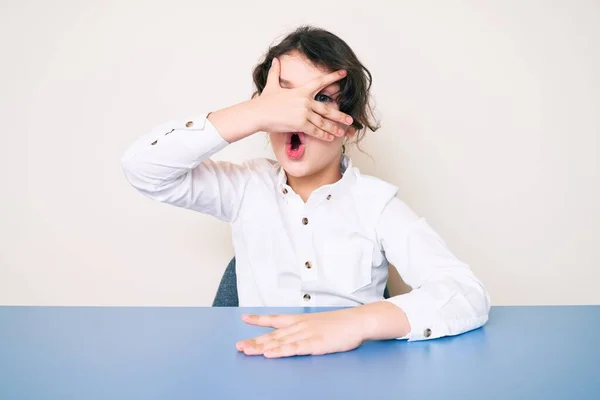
{"points": [[309, 229]]}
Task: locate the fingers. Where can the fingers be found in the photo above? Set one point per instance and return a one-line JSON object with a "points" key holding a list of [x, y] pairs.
{"points": [[295, 348], [322, 128], [271, 321], [273, 76], [277, 335], [320, 83], [331, 113], [272, 340]]}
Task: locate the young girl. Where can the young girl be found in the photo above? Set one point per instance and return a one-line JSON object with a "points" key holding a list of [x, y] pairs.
{"points": [[309, 229]]}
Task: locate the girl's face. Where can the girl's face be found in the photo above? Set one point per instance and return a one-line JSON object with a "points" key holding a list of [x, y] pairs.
{"points": [[296, 70]]}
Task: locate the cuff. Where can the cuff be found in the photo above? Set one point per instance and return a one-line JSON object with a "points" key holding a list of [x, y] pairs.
{"points": [[424, 323], [188, 141], [197, 134]]}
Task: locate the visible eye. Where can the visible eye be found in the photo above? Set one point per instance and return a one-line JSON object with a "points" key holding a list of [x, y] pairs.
{"points": [[323, 98]]}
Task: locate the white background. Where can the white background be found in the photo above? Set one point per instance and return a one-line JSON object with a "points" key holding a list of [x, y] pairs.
{"points": [[490, 118]]}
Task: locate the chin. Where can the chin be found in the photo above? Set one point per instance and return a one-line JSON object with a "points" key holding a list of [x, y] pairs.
{"points": [[297, 169]]}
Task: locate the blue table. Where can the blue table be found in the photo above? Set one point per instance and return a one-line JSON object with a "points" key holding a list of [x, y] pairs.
{"points": [[189, 353]]}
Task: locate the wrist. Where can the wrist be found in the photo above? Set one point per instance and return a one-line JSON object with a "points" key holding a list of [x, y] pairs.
{"points": [[368, 322], [238, 121], [382, 320], [256, 114]]}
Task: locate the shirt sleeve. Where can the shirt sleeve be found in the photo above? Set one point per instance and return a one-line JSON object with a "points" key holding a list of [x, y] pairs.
{"points": [[447, 299], [171, 164]]}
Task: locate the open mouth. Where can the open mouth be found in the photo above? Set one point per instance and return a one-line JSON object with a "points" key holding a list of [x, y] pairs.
{"points": [[294, 145], [295, 142]]}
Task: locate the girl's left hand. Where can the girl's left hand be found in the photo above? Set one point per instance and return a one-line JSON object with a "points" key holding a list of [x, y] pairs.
{"points": [[314, 333]]}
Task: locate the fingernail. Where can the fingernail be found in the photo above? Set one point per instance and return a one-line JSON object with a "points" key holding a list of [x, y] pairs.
{"points": [[274, 61], [349, 120], [341, 132], [343, 72]]}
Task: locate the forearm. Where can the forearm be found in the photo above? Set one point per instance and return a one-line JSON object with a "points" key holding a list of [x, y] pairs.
{"points": [[171, 164], [388, 319], [238, 121], [170, 150]]}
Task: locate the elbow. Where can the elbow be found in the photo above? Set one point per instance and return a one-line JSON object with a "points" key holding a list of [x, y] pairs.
{"points": [[134, 174], [169, 189], [131, 173], [482, 299], [470, 304], [479, 304]]}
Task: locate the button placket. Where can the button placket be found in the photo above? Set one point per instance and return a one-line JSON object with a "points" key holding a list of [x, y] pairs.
{"points": [[305, 253], [308, 271]]}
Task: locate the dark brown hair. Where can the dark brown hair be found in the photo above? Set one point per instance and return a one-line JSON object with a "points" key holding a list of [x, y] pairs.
{"points": [[326, 50]]}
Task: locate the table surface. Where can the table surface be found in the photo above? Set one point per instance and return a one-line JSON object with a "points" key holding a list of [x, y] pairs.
{"points": [[189, 353]]}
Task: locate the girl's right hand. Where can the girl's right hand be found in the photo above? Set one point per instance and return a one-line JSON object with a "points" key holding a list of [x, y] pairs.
{"points": [[296, 110]]}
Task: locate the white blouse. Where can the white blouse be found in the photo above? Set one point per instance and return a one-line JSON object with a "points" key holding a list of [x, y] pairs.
{"points": [[332, 250]]}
